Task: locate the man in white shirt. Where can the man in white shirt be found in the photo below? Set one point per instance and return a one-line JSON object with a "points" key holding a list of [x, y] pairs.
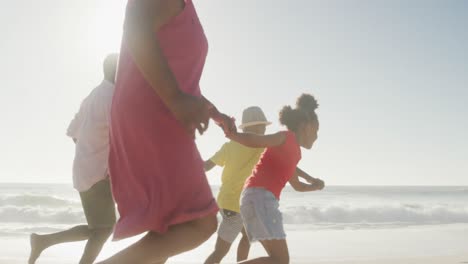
{"points": [[90, 132]]}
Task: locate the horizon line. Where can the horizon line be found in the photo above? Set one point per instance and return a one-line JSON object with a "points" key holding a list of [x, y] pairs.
{"points": [[333, 185]]}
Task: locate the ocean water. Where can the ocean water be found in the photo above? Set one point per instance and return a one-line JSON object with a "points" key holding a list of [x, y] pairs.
{"points": [[26, 208]]}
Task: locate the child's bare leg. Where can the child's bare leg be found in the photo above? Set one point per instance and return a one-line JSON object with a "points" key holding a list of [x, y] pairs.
{"points": [[158, 247], [277, 253], [96, 241], [243, 248], [221, 249], [40, 242]]}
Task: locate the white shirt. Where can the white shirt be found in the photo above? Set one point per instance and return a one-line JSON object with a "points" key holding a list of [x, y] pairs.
{"points": [[90, 129]]}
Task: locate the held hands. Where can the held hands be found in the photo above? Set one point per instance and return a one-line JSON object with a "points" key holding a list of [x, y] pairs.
{"points": [[225, 122], [228, 125], [192, 112], [195, 113]]}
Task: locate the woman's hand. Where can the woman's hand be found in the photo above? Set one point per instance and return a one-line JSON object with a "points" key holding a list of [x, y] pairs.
{"points": [[227, 123], [192, 112]]}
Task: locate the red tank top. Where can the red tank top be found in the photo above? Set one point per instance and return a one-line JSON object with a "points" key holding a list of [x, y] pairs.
{"points": [[276, 166]]}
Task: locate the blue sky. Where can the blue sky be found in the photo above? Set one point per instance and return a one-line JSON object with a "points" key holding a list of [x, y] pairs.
{"points": [[390, 76]]}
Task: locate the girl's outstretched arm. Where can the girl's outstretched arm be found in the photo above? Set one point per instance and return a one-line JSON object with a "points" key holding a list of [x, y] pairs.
{"points": [[303, 187], [258, 141]]}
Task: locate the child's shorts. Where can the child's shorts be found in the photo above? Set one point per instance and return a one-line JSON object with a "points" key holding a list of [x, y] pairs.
{"points": [[230, 226], [261, 216]]}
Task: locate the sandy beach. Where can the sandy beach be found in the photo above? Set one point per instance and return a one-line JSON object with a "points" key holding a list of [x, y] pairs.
{"points": [[420, 260], [409, 245]]}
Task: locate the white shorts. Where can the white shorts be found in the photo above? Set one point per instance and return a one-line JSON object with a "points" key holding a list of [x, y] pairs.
{"points": [[230, 226]]}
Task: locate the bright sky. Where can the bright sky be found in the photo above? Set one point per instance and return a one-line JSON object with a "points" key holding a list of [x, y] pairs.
{"points": [[390, 76]]}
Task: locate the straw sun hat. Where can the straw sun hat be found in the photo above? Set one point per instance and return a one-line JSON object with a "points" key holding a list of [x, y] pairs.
{"points": [[253, 116]]}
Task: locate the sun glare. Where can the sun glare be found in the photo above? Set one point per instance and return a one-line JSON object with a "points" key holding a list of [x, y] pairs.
{"points": [[107, 26]]}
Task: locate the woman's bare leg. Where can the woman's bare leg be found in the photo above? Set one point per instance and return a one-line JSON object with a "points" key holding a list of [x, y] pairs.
{"points": [[154, 247]]}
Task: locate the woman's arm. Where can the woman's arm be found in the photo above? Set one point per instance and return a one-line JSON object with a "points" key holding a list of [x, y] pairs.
{"points": [[258, 141], [143, 20]]}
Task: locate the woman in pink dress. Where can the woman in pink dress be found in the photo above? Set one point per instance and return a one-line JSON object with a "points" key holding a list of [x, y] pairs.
{"points": [[156, 171]]}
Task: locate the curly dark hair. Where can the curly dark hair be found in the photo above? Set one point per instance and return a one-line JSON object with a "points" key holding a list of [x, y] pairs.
{"points": [[292, 118], [307, 102]]}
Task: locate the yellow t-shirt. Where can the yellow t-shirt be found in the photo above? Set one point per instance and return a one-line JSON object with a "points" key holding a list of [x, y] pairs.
{"points": [[238, 162]]}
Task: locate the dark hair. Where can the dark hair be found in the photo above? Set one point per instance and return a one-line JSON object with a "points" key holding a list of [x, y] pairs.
{"points": [[307, 102], [293, 118], [110, 66], [306, 105]]}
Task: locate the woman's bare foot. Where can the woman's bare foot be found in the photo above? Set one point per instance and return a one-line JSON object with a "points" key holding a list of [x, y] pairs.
{"points": [[37, 246]]}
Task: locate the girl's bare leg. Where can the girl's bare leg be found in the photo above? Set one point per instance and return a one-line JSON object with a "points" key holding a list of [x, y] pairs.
{"points": [[277, 253]]}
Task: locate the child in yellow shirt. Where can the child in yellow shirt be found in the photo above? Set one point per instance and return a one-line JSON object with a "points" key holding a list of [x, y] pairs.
{"points": [[238, 162]]}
